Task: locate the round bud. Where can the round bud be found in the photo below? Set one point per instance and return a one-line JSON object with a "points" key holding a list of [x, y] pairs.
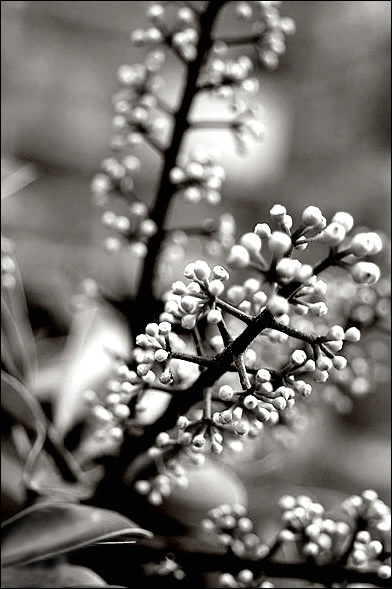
{"points": [[278, 212], [344, 219], [263, 230], [299, 357], [251, 242], [226, 392], [311, 216], [214, 316], [216, 287], [142, 487], [201, 269], [365, 273], [238, 257], [279, 243], [352, 335]]}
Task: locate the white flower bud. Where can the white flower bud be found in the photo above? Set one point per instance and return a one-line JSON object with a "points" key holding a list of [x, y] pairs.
{"points": [[325, 363], [311, 216], [214, 316], [279, 243], [177, 175], [263, 230], [188, 321], [344, 219], [201, 269], [333, 234], [189, 270], [161, 355], [235, 294], [148, 228], [142, 487], [220, 273], [239, 256], [365, 273], [339, 362], [278, 212], [251, 242], [121, 411], [226, 393], [278, 305], [263, 375], [216, 287], [250, 402], [299, 357], [352, 334]]}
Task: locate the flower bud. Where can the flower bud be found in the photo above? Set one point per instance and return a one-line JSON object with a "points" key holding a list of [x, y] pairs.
{"points": [[279, 243], [365, 272], [238, 257]]}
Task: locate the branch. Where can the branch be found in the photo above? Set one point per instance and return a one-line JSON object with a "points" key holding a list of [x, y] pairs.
{"points": [[207, 562], [145, 294]]}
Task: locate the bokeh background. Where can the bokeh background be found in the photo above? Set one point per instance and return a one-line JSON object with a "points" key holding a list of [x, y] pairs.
{"points": [[328, 118]]}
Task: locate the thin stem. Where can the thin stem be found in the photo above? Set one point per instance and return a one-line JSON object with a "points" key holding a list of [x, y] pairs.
{"points": [[234, 311], [201, 360], [295, 333], [197, 341], [225, 125], [240, 40]]}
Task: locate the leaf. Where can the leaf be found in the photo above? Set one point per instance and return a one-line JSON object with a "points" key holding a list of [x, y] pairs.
{"points": [[21, 405], [50, 575], [95, 331], [41, 473], [49, 529], [16, 329]]}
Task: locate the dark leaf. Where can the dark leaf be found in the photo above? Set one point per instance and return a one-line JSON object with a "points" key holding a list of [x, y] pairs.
{"points": [[48, 529]]}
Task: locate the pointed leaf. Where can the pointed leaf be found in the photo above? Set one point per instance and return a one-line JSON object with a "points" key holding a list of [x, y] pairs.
{"points": [[49, 529], [44, 474], [58, 575], [95, 330]]}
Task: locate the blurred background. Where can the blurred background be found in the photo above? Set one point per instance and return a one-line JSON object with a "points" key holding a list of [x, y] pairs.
{"points": [[328, 118]]}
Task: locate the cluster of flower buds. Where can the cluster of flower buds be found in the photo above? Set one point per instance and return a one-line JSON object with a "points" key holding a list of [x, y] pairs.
{"points": [[154, 354], [249, 410], [170, 473], [366, 554], [167, 567], [116, 176], [280, 270], [372, 543], [269, 29], [200, 437], [227, 76], [244, 578], [198, 177], [140, 83], [112, 414], [247, 129], [187, 303], [235, 531], [304, 520], [183, 36], [365, 306], [140, 122], [134, 228], [8, 266]]}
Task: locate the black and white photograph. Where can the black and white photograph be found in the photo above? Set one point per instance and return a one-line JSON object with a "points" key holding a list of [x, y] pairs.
{"points": [[195, 294]]}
